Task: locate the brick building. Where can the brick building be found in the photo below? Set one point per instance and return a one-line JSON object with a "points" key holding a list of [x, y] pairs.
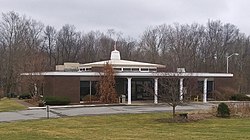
{"points": [[74, 80]]}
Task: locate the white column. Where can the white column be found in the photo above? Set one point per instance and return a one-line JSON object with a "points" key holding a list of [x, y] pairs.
{"points": [[129, 90], [205, 91], [156, 91], [181, 89]]}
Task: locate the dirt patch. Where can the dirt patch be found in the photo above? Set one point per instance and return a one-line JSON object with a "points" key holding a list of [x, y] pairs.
{"points": [[172, 120], [200, 116], [26, 103], [192, 117]]}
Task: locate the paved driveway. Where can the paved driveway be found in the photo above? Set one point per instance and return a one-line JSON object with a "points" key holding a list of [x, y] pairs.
{"points": [[81, 111]]}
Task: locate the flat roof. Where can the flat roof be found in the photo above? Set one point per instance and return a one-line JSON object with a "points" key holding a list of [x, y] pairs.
{"points": [[123, 63], [136, 74]]}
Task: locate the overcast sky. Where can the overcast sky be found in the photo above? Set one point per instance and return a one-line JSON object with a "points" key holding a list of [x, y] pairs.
{"points": [[131, 17]]}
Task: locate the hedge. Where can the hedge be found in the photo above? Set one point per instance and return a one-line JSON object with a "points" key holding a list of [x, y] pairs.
{"points": [[55, 100]]}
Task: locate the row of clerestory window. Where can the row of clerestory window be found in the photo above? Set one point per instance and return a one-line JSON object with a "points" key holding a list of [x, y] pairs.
{"points": [[125, 69]]}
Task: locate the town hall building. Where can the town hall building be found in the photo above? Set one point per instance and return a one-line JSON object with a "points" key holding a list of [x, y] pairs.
{"points": [[74, 80]]}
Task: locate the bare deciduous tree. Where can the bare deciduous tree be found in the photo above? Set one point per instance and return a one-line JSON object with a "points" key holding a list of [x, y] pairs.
{"points": [[49, 43], [106, 85], [169, 92], [69, 43]]}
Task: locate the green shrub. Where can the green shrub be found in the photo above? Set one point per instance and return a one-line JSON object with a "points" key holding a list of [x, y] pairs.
{"points": [[24, 96], [54, 100], [223, 110], [240, 97]]}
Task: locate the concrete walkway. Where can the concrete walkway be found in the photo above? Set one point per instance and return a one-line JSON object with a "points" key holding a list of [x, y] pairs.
{"points": [[96, 110]]}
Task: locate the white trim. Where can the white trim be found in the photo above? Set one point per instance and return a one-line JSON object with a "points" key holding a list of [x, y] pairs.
{"points": [[136, 74]]}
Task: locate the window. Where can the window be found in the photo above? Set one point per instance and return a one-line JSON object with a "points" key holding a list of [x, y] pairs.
{"points": [[84, 69], [135, 69], [88, 69], [117, 69], [126, 69], [144, 69], [152, 70]]}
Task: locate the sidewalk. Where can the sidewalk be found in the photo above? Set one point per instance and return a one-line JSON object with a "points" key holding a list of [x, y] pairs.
{"points": [[41, 113]]}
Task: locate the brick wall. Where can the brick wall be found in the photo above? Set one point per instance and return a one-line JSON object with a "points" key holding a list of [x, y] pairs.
{"points": [[63, 86], [226, 85]]}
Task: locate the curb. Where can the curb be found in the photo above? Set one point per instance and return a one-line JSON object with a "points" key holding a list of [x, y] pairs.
{"points": [[93, 105], [98, 105], [77, 106]]}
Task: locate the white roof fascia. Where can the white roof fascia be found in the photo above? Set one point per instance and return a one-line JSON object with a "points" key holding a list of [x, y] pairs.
{"points": [[64, 74], [172, 74], [136, 74]]}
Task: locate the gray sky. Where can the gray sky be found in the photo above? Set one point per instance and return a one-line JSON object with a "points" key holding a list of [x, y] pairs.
{"points": [[131, 17]]}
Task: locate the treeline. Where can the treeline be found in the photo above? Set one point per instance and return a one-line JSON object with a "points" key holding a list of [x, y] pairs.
{"points": [[27, 45]]}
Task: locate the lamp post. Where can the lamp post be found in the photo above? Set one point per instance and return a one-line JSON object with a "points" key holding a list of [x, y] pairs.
{"points": [[229, 57]]}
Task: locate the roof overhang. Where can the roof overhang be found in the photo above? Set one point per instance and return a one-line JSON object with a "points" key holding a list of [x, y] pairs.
{"points": [[136, 74]]}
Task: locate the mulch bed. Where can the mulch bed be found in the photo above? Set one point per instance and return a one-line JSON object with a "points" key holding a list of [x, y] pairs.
{"points": [[26, 103]]}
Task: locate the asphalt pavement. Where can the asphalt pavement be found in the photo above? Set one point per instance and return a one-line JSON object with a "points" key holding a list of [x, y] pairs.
{"points": [[57, 112]]}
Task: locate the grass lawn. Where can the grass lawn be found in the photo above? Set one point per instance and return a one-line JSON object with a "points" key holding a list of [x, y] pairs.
{"points": [[126, 126], [10, 105]]}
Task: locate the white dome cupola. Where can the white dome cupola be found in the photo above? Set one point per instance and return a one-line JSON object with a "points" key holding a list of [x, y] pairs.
{"points": [[115, 55]]}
